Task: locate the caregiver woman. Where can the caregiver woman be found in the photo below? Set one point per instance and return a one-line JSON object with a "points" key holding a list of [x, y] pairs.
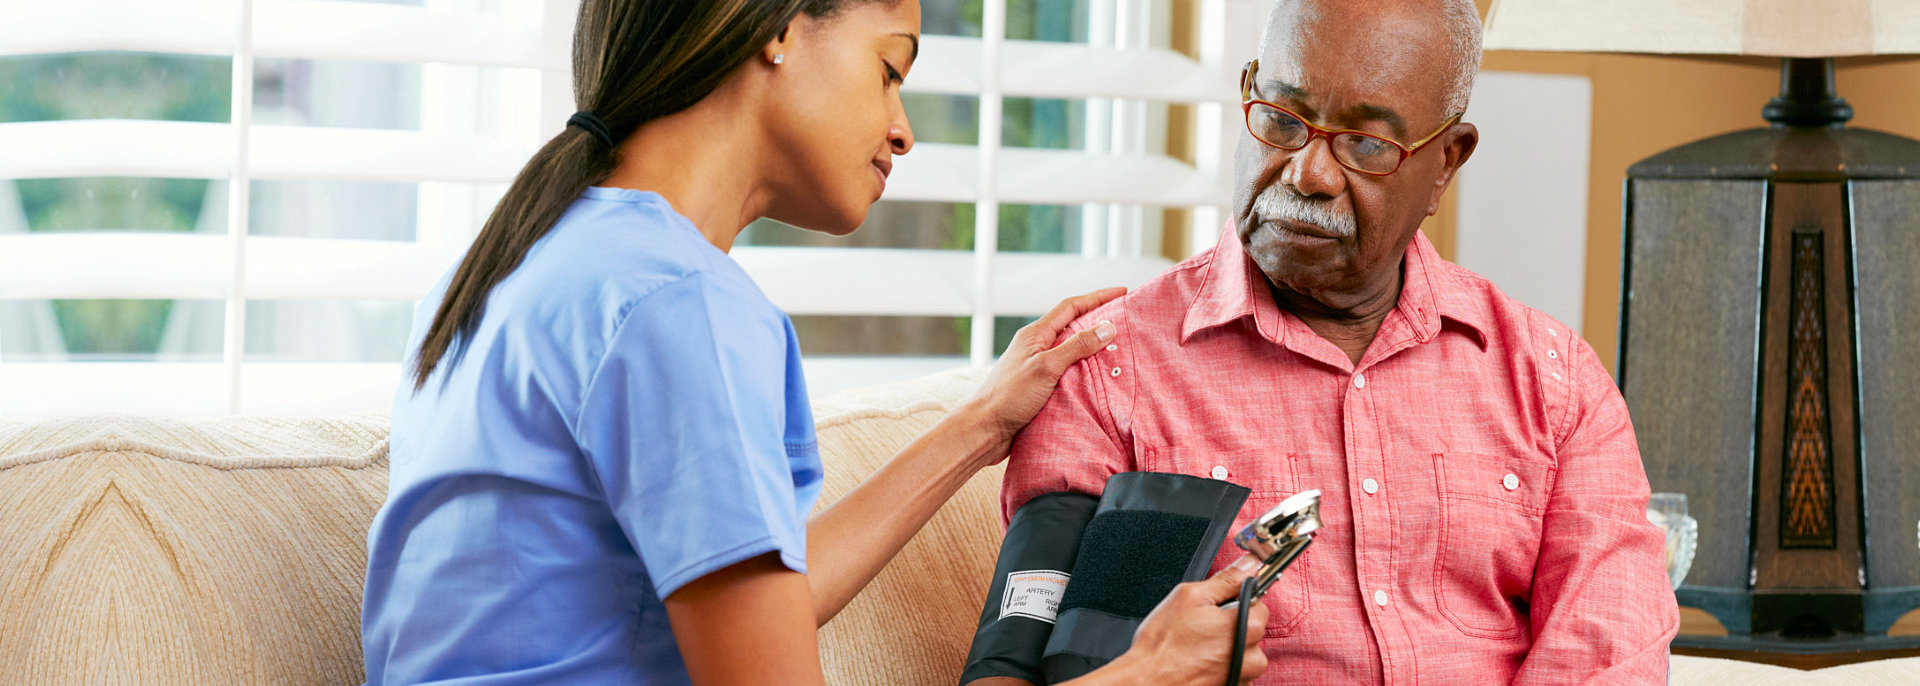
{"points": [[603, 460]]}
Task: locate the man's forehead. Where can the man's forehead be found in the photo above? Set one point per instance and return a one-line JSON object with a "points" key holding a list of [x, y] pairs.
{"points": [[1357, 55], [1399, 21], [1328, 99]]}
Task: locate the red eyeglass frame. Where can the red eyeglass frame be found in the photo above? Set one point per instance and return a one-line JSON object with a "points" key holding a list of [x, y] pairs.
{"points": [[1247, 101]]}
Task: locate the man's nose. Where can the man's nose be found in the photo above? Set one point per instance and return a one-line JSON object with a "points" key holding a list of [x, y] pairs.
{"points": [[1313, 172]]}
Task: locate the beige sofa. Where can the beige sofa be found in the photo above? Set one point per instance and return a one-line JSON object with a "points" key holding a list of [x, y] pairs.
{"points": [[230, 551]]}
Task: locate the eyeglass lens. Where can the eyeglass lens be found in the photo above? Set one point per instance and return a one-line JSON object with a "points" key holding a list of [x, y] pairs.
{"points": [[1359, 151]]}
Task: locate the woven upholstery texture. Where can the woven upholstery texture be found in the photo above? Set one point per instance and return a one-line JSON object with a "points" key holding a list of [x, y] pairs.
{"points": [[913, 624], [1709, 671], [1896, 672], [148, 551]]}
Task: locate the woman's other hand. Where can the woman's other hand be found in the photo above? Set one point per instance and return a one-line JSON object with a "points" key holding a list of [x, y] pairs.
{"points": [[1027, 373], [1185, 639]]}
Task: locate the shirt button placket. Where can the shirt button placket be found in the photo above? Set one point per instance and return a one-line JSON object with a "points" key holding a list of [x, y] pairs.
{"points": [[1370, 526]]}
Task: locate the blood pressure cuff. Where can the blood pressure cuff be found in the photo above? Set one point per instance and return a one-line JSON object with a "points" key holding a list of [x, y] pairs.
{"points": [[1121, 554]]}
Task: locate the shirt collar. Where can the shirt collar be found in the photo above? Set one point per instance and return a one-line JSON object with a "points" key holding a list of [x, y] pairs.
{"points": [[1232, 289]]}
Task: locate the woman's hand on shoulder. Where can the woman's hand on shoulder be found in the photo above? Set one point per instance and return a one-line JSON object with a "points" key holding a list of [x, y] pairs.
{"points": [[1026, 375]]}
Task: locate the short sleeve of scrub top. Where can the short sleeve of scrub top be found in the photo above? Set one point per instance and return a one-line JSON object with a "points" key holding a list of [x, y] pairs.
{"points": [[628, 415], [682, 422]]}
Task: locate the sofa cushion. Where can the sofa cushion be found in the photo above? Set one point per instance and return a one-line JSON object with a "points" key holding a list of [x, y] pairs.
{"points": [[1713, 671], [1903, 671], [913, 624], [162, 551], [233, 550]]}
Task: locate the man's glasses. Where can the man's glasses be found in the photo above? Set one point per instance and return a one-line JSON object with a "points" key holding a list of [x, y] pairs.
{"points": [[1357, 150]]}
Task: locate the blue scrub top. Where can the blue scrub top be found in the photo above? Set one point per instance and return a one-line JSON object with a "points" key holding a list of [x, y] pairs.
{"points": [[628, 416]]}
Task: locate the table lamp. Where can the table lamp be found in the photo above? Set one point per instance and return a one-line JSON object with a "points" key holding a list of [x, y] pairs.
{"points": [[1770, 320]]}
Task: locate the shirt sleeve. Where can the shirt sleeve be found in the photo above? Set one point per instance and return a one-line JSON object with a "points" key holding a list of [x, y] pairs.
{"points": [[1072, 445], [1602, 610], [683, 423]]}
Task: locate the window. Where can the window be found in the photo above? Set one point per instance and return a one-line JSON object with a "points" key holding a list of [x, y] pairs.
{"points": [[212, 206]]}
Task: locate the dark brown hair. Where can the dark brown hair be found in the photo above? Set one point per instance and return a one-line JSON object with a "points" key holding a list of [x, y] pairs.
{"points": [[633, 61]]}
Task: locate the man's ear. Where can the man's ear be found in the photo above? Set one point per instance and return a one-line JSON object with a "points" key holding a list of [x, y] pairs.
{"points": [[1460, 144]]}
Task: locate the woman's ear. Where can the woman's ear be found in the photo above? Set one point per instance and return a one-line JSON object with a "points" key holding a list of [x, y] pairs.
{"points": [[775, 53]]}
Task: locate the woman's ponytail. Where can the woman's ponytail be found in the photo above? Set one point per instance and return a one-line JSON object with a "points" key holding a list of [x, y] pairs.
{"points": [[541, 192]]}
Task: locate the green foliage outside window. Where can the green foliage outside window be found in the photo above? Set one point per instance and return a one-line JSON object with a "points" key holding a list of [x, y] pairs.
{"points": [[197, 89], [113, 86]]}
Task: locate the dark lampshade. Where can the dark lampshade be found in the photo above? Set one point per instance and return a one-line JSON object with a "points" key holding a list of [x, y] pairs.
{"points": [[1768, 318]]}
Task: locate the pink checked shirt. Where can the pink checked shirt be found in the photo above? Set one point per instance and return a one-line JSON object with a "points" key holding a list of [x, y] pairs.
{"points": [[1483, 499]]}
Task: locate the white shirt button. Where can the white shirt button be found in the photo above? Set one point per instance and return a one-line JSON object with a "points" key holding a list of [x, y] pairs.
{"points": [[1219, 472], [1116, 371], [1112, 347], [1553, 354], [1359, 380], [1511, 482], [1380, 598], [1370, 486]]}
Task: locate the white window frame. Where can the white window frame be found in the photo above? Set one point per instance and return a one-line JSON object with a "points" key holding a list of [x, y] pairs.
{"points": [[1117, 72]]}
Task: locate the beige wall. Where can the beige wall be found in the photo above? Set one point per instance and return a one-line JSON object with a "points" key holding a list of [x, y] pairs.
{"points": [[1645, 104]]}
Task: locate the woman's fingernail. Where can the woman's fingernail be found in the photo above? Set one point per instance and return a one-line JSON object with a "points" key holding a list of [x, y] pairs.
{"points": [[1104, 331], [1246, 564]]}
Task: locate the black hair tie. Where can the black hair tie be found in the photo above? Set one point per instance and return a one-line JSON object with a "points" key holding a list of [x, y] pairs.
{"points": [[593, 125]]}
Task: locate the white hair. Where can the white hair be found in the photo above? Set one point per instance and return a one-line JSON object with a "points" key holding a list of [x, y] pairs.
{"points": [[1463, 36], [1463, 32]]}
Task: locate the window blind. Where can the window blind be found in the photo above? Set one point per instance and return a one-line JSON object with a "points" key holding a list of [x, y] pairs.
{"points": [[492, 83]]}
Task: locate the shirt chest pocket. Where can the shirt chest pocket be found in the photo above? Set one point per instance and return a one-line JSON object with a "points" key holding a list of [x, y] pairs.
{"points": [[1491, 510], [1271, 477]]}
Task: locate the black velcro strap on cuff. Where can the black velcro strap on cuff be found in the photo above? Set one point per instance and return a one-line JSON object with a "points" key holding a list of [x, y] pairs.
{"points": [[1151, 532], [1130, 559]]}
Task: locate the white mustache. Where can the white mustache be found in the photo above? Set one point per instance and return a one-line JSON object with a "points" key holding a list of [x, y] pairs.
{"points": [[1279, 203]]}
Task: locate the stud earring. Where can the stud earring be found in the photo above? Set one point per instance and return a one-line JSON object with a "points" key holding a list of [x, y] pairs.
{"points": [[779, 58]]}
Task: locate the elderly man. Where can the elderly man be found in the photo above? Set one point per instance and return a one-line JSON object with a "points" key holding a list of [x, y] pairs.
{"points": [[1484, 499]]}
